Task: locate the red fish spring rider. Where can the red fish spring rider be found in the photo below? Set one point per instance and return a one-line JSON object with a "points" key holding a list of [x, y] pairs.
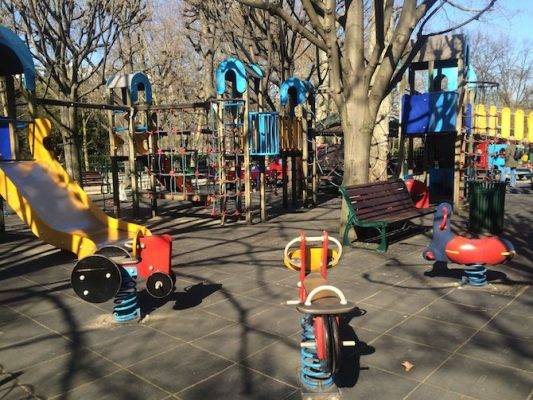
{"points": [[476, 254]]}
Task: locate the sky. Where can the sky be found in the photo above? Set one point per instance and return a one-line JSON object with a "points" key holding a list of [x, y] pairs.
{"points": [[510, 17]]}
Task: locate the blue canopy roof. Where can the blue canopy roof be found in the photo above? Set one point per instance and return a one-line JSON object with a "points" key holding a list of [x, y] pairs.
{"points": [[139, 81], [235, 68], [16, 58], [303, 89]]}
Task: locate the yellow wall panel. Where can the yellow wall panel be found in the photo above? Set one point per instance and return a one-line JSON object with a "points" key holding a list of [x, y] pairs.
{"points": [[519, 124]]}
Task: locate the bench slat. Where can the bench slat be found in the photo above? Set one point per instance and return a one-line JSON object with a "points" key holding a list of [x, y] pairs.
{"points": [[384, 212], [375, 199]]}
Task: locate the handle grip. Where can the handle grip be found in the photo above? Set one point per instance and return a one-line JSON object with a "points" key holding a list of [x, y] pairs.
{"points": [[333, 262]]}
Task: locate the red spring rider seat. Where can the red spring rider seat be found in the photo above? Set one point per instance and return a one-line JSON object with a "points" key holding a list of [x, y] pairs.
{"points": [[322, 305], [474, 253]]}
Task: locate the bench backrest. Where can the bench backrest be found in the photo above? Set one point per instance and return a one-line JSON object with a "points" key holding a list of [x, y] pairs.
{"points": [[377, 199], [92, 178]]}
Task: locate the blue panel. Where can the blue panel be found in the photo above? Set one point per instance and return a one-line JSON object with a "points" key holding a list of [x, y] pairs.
{"points": [[263, 133], [468, 118], [138, 79], [237, 67], [415, 113], [429, 113], [5, 143], [440, 181], [13, 42], [443, 111], [303, 89], [450, 73], [494, 160]]}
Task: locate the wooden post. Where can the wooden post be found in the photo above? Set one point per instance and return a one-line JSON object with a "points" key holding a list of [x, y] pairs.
{"points": [[11, 110], [458, 187], [262, 190], [221, 160], [262, 171], [115, 184], [285, 178], [153, 187], [132, 163], [305, 159], [247, 183], [401, 145], [315, 173], [294, 187]]}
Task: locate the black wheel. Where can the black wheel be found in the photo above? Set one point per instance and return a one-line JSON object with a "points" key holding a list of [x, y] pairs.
{"points": [[333, 344], [113, 251], [96, 279], [159, 285]]}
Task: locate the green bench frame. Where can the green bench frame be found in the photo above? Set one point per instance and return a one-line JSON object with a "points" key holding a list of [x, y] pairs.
{"points": [[394, 205]]}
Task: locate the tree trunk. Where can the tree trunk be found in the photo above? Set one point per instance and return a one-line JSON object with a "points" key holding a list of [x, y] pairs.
{"points": [[70, 142], [357, 126], [379, 151]]}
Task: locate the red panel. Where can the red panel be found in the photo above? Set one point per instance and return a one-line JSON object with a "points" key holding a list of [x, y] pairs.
{"points": [[488, 250], [481, 151], [320, 339], [419, 192], [155, 255]]}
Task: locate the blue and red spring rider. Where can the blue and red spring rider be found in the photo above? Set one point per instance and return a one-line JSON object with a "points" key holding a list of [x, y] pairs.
{"points": [[474, 253], [322, 305], [112, 272]]}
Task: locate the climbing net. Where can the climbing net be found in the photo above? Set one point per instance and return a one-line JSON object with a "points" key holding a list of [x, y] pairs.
{"points": [[330, 160], [227, 159], [180, 158]]}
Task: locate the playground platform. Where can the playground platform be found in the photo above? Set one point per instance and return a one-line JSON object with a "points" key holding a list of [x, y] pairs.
{"points": [[226, 333]]}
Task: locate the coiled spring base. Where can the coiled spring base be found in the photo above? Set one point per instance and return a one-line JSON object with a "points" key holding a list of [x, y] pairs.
{"points": [[127, 299]]}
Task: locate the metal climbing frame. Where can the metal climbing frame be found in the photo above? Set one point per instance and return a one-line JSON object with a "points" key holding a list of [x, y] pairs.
{"points": [[179, 161], [228, 151]]}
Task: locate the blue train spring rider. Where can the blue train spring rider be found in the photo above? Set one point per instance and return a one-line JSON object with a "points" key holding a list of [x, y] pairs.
{"points": [[476, 254]]}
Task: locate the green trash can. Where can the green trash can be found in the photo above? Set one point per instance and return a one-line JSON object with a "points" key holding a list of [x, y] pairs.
{"points": [[487, 206]]}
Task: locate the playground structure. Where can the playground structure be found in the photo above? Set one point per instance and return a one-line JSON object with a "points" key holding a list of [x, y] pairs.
{"points": [[323, 306], [298, 141], [456, 119], [436, 115], [110, 252], [475, 253], [490, 127]]}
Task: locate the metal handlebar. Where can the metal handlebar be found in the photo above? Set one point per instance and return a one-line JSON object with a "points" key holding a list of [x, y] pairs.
{"points": [[323, 288], [333, 262]]}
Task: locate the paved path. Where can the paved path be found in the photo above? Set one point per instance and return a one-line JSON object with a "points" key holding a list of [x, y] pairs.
{"points": [[226, 333]]}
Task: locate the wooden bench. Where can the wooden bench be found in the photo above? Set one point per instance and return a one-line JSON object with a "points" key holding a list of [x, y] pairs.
{"points": [[94, 178], [379, 205]]}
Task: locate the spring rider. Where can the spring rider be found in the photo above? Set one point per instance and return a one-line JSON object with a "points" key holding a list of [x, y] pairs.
{"points": [[113, 270], [322, 305], [474, 253]]}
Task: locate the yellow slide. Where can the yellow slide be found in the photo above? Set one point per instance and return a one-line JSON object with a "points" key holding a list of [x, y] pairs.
{"points": [[54, 206]]}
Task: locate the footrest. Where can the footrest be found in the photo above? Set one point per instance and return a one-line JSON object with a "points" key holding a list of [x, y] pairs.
{"points": [[327, 306]]}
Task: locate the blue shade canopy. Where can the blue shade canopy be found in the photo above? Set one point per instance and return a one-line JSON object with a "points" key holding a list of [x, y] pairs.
{"points": [[303, 89], [140, 82], [16, 58], [234, 69], [136, 82], [257, 70]]}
